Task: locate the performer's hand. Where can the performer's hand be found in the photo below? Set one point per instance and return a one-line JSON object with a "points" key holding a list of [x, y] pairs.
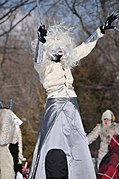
{"points": [[42, 32], [108, 23]]}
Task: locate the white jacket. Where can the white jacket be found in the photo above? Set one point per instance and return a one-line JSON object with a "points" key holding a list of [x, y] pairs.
{"points": [[56, 78]]}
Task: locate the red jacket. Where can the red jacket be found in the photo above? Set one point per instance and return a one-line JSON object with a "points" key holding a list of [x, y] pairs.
{"points": [[109, 166]]}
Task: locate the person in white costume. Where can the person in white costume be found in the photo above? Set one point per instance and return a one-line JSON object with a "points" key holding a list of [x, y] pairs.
{"points": [[105, 130], [11, 152], [61, 126], [8, 135]]}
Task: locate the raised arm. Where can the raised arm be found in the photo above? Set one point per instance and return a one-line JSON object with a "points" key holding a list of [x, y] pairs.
{"points": [[59, 43], [86, 47], [38, 46], [93, 135]]}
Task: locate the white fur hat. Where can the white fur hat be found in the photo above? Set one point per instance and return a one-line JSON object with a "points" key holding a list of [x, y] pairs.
{"points": [[108, 114]]}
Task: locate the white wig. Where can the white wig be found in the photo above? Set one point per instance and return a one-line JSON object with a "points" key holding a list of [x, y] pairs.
{"points": [[58, 37]]}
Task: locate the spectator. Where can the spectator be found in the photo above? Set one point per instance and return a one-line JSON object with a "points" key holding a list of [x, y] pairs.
{"points": [[109, 166], [105, 131]]}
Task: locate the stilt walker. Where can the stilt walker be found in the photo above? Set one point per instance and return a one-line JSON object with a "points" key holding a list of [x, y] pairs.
{"points": [[61, 126]]}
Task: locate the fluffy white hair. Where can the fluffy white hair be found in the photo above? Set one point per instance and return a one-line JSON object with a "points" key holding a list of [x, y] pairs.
{"points": [[58, 36]]}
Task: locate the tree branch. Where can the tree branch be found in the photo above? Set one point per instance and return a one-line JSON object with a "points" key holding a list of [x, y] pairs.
{"points": [[18, 22], [13, 9], [74, 11]]}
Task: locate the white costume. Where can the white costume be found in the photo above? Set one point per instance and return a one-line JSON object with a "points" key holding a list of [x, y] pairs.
{"points": [[8, 135], [18, 122], [61, 126]]}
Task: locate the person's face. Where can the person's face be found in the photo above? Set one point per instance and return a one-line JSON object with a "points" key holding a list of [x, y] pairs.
{"points": [[106, 121], [57, 54]]}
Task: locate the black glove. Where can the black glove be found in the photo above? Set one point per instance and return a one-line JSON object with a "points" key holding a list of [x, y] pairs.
{"points": [[108, 23], [42, 32]]}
